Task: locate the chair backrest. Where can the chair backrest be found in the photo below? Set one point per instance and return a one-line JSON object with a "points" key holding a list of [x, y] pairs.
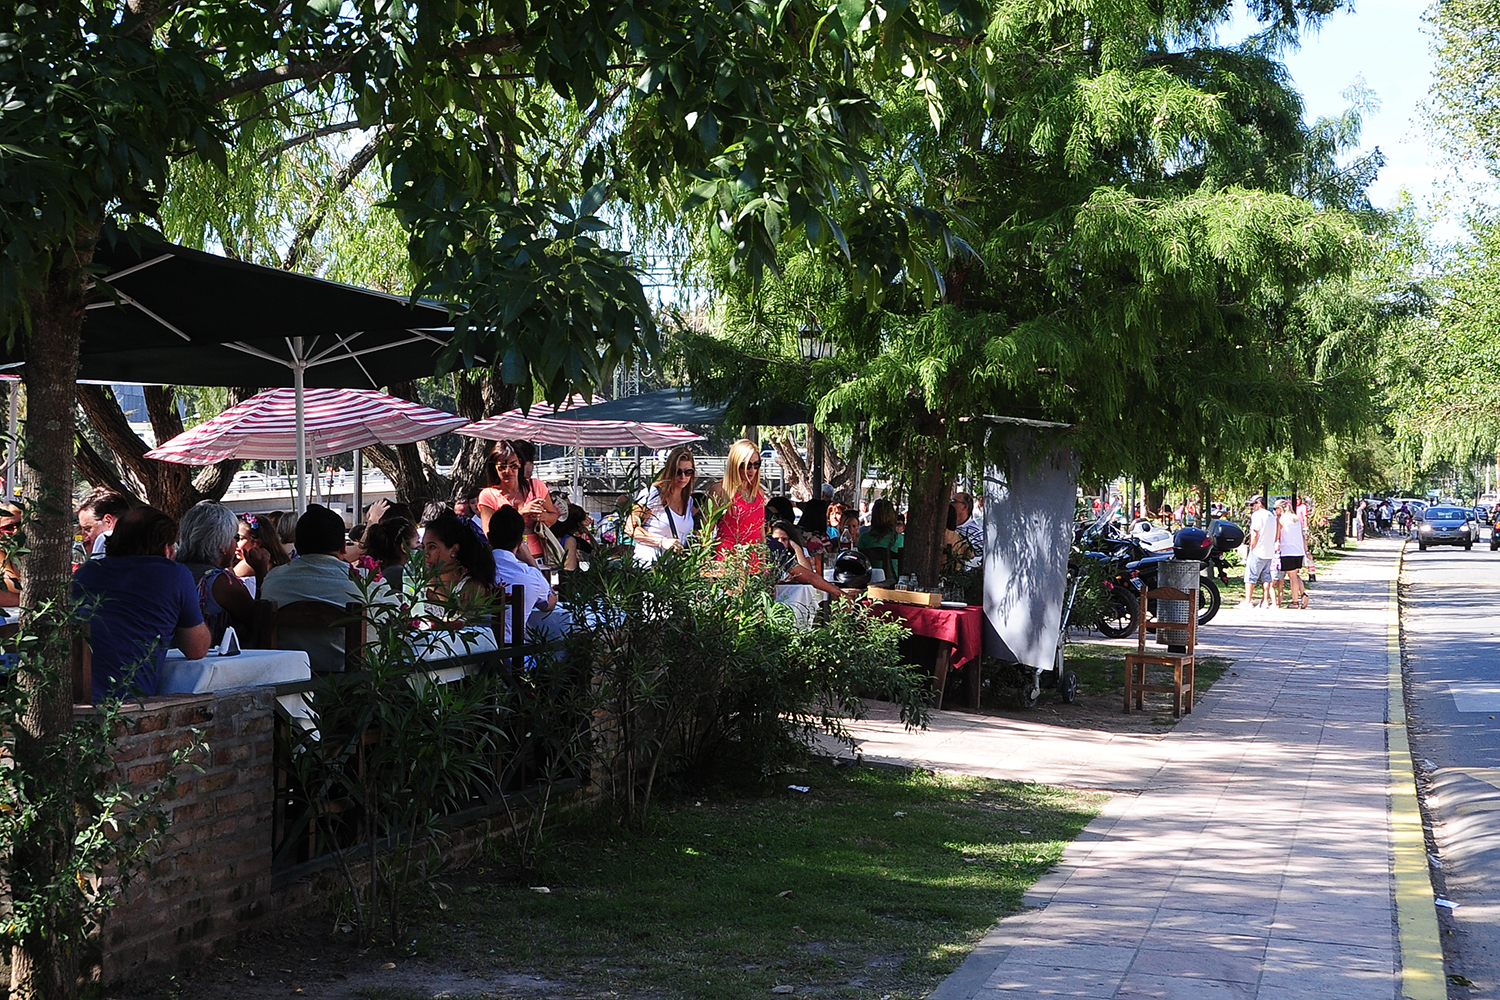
{"points": [[880, 558], [515, 607], [269, 618], [1160, 594]]}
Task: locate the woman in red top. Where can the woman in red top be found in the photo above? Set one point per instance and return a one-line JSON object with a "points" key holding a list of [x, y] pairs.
{"points": [[744, 503], [506, 488]]}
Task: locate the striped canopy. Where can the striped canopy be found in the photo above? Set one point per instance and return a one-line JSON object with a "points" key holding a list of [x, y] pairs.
{"points": [[543, 425], [265, 426]]}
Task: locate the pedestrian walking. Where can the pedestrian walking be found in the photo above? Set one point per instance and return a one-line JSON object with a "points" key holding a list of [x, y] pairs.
{"points": [[1360, 513], [1292, 541], [1261, 564]]}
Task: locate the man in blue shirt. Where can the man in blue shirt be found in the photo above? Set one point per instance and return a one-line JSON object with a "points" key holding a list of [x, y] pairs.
{"points": [[138, 602]]}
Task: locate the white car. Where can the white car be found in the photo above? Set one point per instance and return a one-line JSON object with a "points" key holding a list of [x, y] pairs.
{"points": [[246, 481]]}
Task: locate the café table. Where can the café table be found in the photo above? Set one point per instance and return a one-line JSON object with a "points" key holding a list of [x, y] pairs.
{"points": [[463, 647], [246, 669], [959, 633], [804, 599]]}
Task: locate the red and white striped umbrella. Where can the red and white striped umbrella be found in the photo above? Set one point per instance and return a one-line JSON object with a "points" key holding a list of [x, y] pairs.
{"points": [[336, 420], [540, 425]]}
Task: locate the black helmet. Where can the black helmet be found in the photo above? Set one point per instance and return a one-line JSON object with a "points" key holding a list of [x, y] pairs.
{"points": [[1190, 543], [851, 570]]}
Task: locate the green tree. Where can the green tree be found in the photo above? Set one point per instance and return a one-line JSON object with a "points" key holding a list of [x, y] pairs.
{"points": [[1464, 94], [1141, 207]]}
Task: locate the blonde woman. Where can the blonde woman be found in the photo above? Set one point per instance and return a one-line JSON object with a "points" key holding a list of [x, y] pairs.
{"points": [[663, 514], [743, 501]]}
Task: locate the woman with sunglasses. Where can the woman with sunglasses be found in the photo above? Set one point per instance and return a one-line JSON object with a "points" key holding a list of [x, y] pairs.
{"points": [[663, 514], [739, 494], [508, 488]]}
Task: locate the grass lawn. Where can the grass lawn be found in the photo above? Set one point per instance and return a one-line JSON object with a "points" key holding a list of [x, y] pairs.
{"points": [[872, 883]]}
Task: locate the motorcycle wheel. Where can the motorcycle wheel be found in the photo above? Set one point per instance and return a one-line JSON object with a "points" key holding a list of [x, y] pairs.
{"points": [[1121, 615], [1209, 599]]}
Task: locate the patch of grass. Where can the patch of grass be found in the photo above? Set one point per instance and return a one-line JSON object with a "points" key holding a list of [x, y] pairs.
{"points": [[1101, 669], [874, 881]]}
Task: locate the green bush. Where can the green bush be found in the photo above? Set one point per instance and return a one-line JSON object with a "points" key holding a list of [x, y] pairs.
{"points": [[706, 678]]}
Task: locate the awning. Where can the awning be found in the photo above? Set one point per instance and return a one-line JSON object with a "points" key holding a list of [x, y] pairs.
{"points": [[677, 406]]}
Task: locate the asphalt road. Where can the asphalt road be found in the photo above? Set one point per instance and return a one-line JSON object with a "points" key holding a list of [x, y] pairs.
{"points": [[1451, 621]]}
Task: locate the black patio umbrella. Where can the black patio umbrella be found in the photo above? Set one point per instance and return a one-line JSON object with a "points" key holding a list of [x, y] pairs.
{"points": [[165, 314], [677, 406]]}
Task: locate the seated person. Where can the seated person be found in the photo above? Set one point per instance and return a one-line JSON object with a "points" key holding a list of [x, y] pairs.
{"points": [[10, 573], [319, 573], [259, 550], [787, 554], [507, 530], [573, 534], [97, 516], [210, 532], [138, 602], [779, 508], [881, 537]]}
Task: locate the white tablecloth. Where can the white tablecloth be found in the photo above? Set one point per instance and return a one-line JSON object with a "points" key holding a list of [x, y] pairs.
{"points": [[251, 668], [435, 644], [804, 600]]}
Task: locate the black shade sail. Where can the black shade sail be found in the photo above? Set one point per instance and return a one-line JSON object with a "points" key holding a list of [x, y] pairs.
{"points": [[677, 406], [166, 314]]}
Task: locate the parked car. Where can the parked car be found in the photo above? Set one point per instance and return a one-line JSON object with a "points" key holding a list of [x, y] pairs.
{"points": [[1447, 526], [246, 481]]}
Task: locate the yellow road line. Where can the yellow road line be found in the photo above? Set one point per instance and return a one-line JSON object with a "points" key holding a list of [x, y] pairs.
{"points": [[1422, 976]]}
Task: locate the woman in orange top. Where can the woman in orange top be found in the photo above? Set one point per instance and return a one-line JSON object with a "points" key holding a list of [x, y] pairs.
{"points": [[506, 488], [744, 503]]}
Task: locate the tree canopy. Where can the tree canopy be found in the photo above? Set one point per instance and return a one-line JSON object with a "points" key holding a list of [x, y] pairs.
{"points": [[1140, 217]]}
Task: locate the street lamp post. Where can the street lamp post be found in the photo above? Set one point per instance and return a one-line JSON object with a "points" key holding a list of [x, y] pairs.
{"points": [[813, 347]]}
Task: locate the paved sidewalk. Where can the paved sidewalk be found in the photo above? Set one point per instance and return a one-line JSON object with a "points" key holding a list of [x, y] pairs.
{"points": [[1249, 853]]}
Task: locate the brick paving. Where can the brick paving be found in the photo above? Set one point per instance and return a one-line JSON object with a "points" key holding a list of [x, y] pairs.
{"points": [[1246, 854]]}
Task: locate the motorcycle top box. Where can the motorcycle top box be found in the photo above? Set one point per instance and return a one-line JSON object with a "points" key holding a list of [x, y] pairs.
{"points": [[1192, 544], [1226, 535]]}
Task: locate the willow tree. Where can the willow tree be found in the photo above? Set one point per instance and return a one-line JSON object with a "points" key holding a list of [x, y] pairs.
{"points": [[1133, 198]]}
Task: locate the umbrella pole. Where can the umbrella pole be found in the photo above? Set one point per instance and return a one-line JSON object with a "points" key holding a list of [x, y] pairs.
{"points": [[299, 387], [359, 486], [577, 491]]}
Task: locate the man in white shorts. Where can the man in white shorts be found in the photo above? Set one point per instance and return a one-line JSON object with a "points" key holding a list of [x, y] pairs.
{"points": [[1262, 562]]}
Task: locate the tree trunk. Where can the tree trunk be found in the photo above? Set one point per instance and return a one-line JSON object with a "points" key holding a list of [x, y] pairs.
{"points": [[168, 486], [479, 394], [927, 519], [44, 965]]}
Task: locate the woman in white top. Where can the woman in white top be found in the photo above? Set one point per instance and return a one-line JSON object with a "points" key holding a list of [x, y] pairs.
{"points": [[1293, 551], [663, 515]]}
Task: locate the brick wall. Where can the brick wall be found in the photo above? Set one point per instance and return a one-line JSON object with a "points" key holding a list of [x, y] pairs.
{"points": [[211, 879]]}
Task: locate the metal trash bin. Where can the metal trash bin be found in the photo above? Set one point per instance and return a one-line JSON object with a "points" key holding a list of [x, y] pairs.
{"points": [[1178, 574]]}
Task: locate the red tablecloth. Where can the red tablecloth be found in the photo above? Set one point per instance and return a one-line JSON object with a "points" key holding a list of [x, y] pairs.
{"points": [[958, 627]]}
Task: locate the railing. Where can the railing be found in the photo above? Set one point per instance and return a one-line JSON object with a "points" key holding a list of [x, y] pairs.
{"points": [[304, 838]]}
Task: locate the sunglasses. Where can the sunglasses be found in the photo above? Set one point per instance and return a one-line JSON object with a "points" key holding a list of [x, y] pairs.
{"points": [[687, 472], [507, 468], [751, 465]]}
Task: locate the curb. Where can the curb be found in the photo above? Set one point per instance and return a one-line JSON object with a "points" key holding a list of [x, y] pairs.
{"points": [[1422, 975]]}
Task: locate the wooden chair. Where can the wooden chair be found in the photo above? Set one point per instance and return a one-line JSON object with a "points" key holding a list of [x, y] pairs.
{"points": [[1139, 662], [515, 606], [880, 558], [313, 614]]}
